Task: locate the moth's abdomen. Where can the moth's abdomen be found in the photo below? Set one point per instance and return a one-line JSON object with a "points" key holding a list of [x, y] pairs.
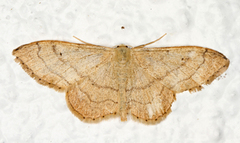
{"points": [[122, 59]]}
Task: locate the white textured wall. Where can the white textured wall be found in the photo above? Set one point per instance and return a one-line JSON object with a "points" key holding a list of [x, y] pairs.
{"points": [[30, 112]]}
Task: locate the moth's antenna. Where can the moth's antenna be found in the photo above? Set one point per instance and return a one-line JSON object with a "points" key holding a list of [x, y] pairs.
{"points": [[89, 43], [141, 46], [83, 41]]}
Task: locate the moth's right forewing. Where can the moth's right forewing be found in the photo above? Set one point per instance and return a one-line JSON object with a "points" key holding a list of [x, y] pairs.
{"points": [[182, 68]]}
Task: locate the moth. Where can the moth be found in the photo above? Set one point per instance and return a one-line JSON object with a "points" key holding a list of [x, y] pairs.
{"points": [[101, 82]]}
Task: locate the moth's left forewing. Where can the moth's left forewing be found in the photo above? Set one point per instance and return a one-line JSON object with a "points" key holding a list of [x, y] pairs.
{"points": [[59, 64]]}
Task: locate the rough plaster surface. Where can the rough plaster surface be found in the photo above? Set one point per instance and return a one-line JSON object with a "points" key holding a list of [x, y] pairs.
{"points": [[30, 112]]}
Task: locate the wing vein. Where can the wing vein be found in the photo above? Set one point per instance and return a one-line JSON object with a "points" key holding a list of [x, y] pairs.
{"points": [[88, 96], [39, 49], [193, 73]]}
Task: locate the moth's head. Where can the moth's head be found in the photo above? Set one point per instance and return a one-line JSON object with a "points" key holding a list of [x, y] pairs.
{"points": [[122, 46], [122, 54]]}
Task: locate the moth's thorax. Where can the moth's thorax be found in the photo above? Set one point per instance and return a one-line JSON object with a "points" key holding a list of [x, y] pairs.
{"points": [[122, 53]]}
